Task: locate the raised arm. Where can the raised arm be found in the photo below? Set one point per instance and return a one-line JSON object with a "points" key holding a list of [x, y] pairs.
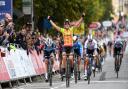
{"points": [[53, 24], [77, 23]]}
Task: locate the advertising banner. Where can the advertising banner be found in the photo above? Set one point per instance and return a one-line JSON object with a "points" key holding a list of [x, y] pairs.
{"points": [[34, 61], [28, 65], [107, 23], [39, 62], [3, 70], [5, 7], [10, 65], [26, 7]]}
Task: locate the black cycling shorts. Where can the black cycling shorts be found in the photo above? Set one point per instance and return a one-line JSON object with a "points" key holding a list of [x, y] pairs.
{"points": [[67, 49], [77, 51], [90, 51]]}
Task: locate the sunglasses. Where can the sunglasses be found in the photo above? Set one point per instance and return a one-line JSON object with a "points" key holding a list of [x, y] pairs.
{"points": [[66, 23]]}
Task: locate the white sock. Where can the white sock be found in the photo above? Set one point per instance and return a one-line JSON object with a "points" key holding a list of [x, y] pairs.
{"points": [[46, 75], [85, 72]]}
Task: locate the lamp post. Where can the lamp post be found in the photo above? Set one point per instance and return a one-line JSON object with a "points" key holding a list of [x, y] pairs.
{"points": [[28, 10], [32, 15]]}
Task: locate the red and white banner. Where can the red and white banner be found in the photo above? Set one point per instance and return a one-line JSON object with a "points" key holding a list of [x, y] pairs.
{"points": [[3, 70], [17, 64]]}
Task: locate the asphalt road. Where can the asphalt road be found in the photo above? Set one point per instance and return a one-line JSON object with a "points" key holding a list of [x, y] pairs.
{"points": [[104, 80]]}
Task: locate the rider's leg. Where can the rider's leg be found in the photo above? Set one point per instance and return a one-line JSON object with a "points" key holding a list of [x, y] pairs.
{"points": [[46, 66], [86, 62], [57, 60], [71, 61], [63, 63], [53, 62], [79, 62]]}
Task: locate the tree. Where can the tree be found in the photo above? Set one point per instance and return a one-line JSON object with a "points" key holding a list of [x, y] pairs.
{"points": [[96, 10]]}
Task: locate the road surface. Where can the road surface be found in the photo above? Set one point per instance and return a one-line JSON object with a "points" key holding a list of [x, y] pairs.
{"points": [[104, 80]]}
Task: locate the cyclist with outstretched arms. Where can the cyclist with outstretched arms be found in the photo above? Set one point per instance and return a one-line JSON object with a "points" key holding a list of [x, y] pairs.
{"points": [[67, 33]]}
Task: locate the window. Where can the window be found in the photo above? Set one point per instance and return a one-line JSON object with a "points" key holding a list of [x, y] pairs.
{"points": [[126, 3]]}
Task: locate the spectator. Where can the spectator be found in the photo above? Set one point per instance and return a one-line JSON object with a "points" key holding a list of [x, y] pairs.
{"points": [[21, 38], [2, 37]]}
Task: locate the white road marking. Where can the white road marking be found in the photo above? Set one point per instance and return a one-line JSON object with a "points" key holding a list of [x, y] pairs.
{"points": [[121, 81]]}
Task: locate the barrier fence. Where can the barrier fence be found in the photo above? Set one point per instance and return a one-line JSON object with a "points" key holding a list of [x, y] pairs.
{"points": [[17, 64]]}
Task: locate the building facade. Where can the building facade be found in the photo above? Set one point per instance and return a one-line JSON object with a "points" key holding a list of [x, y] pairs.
{"points": [[120, 6]]}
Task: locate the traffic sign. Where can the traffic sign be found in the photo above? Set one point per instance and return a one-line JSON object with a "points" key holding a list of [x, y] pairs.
{"points": [[5, 7], [107, 23], [94, 25]]}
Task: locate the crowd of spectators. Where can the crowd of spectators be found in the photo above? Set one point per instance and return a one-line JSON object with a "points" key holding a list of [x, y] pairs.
{"points": [[24, 38]]}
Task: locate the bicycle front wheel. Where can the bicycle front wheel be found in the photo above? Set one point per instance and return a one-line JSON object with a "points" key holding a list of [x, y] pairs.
{"points": [[117, 65], [75, 71], [50, 73], [68, 73], [88, 79]]}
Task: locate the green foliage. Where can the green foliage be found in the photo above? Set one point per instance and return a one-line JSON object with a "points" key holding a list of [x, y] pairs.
{"points": [[96, 10]]}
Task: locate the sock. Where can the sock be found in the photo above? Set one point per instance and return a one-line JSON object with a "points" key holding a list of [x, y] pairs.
{"points": [[46, 75]]}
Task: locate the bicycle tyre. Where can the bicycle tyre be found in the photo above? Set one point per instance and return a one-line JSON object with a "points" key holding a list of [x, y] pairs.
{"points": [[117, 74], [89, 71], [117, 65], [88, 79], [68, 73], [50, 73], [75, 71]]}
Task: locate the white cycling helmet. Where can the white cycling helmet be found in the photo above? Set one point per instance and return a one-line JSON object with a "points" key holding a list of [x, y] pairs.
{"points": [[48, 41], [74, 38]]}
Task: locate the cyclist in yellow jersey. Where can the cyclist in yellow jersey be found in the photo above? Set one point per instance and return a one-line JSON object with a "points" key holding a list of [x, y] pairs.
{"points": [[67, 32]]}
